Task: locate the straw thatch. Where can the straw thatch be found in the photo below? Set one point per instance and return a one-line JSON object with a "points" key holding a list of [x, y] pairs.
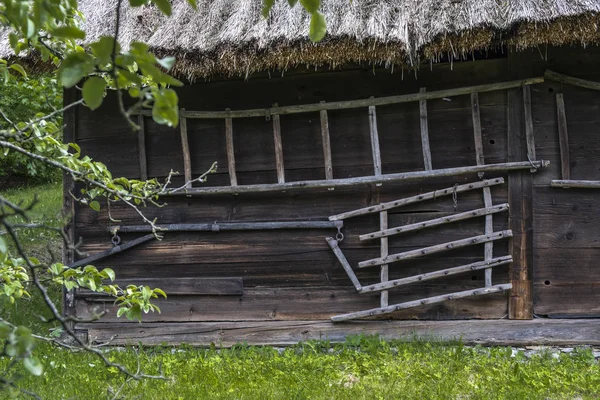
{"points": [[230, 37]]}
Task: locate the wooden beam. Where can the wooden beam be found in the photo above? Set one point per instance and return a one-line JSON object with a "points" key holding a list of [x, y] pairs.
{"points": [[348, 104], [416, 199], [489, 229], [179, 287], [479, 157], [384, 273], [374, 134], [348, 182], [230, 151], [326, 144], [563, 137], [529, 136], [278, 149], [579, 184], [436, 274], [487, 211], [342, 259], [230, 226], [438, 248], [185, 147], [425, 133], [113, 250], [142, 148], [555, 76], [415, 303]]}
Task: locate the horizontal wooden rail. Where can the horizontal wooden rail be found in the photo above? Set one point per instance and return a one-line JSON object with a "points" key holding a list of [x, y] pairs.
{"points": [[555, 76], [347, 182], [436, 274], [435, 222], [190, 286], [113, 250], [418, 198], [333, 243], [576, 184], [341, 105], [230, 226], [457, 244], [415, 303]]}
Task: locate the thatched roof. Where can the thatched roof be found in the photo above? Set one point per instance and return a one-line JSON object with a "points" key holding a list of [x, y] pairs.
{"points": [[230, 37]]}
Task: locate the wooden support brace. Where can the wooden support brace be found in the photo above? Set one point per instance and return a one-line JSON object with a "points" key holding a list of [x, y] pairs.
{"points": [[489, 229], [584, 83], [278, 148], [185, 147], [326, 144], [374, 141], [457, 244], [487, 211], [230, 151], [436, 274], [579, 184], [142, 148], [342, 259], [113, 250], [384, 274], [430, 300], [425, 133], [418, 198], [563, 137], [529, 136], [477, 131]]}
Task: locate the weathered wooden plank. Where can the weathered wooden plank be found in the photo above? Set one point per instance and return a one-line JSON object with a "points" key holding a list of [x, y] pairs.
{"points": [[333, 243], [374, 135], [113, 250], [231, 226], [563, 137], [436, 274], [230, 151], [142, 148], [435, 249], [279, 165], [529, 136], [384, 272], [579, 184], [425, 133], [185, 147], [379, 101], [479, 155], [416, 303], [502, 332], [574, 300], [489, 229], [326, 144], [584, 83], [487, 211], [179, 286]]}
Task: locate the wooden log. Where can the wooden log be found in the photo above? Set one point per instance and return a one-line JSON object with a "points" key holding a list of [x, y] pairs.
{"points": [[178, 287], [563, 137], [457, 244], [418, 198], [279, 166], [230, 226], [584, 83], [374, 141], [333, 243], [347, 182], [142, 148], [489, 229], [425, 133], [529, 136], [230, 151], [487, 211], [479, 157], [348, 104], [579, 184], [384, 273], [185, 147], [436, 274], [415, 303], [113, 250], [326, 144]]}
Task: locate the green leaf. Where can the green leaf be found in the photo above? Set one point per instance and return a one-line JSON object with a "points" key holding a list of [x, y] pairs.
{"points": [[312, 6], [68, 32], [93, 92], [74, 68], [267, 5], [103, 49], [19, 69], [94, 205], [3, 249], [14, 42], [165, 109], [292, 3], [167, 62], [193, 3], [137, 3], [33, 365], [164, 6], [318, 28], [30, 28], [4, 330]]}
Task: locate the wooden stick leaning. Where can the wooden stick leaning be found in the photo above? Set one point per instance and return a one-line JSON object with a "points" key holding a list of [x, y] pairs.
{"points": [[326, 144], [230, 151], [529, 136], [279, 166], [563, 137], [113, 250], [374, 134], [333, 243], [185, 147], [425, 133]]}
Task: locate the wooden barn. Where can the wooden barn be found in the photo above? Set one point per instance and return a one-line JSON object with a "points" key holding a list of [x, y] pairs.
{"points": [[430, 168]]}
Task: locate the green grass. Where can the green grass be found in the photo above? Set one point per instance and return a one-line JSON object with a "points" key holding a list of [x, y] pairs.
{"points": [[360, 368]]}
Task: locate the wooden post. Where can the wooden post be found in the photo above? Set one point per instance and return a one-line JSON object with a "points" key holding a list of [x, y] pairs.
{"points": [[477, 131], [563, 137], [185, 147], [142, 148], [528, 122], [425, 133], [374, 141], [326, 144], [278, 148], [383, 225], [230, 152]]}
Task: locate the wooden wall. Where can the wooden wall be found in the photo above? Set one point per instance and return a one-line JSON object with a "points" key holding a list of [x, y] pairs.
{"points": [[292, 274]]}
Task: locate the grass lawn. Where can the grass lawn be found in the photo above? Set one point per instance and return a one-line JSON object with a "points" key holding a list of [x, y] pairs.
{"points": [[360, 368]]}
